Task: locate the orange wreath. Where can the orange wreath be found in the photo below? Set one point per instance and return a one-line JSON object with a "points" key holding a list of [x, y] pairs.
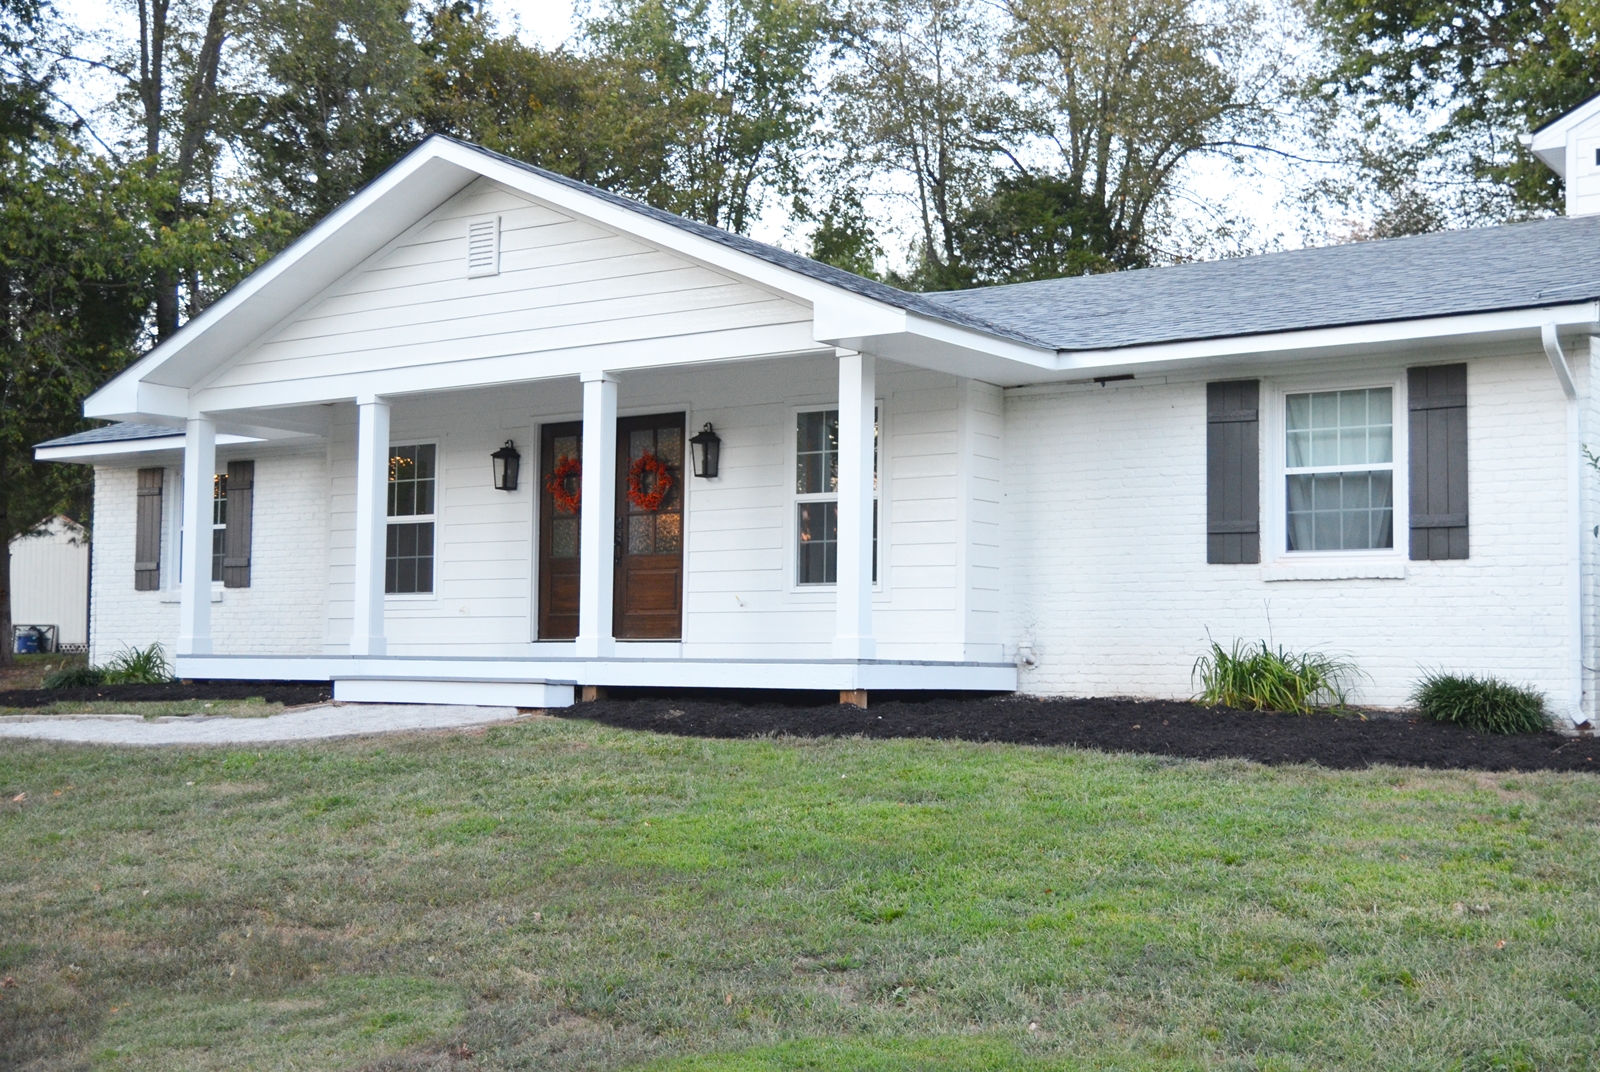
{"points": [[566, 468], [648, 463]]}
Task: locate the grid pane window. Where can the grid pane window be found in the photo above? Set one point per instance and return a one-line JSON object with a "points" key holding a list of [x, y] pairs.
{"points": [[408, 558], [1339, 459], [816, 488], [411, 480], [219, 524]]}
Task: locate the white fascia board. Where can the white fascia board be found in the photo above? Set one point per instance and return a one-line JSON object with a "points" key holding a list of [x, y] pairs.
{"points": [[408, 191], [1549, 143], [1389, 334], [93, 453]]}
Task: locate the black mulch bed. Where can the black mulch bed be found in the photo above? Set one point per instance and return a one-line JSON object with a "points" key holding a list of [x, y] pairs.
{"points": [[285, 692], [1153, 727]]}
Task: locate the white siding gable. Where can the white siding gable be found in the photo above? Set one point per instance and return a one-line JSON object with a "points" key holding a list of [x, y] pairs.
{"points": [[562, 283]]}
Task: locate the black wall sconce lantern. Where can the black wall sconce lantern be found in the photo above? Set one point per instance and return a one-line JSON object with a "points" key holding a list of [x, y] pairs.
{"points": [[706, 449], [506, 461]]}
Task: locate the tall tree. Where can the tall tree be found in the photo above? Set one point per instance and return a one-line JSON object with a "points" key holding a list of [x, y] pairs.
{"points": [[596, 119], [1135, 90], [736, 78], [68, 306], [335, 98], [1470, 75], [921, 98]]}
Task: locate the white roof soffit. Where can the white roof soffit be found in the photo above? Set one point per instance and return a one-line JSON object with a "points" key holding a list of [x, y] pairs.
{"points": [[116, 450]]}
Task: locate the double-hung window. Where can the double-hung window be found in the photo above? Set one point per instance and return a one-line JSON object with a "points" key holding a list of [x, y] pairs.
{"points": [[219, 523], [816, 488], [408, 561], [1339, 470]]}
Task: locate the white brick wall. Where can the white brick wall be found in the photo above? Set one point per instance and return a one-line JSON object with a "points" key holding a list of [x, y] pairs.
{"points": [[1106, 575], [283, 610]]}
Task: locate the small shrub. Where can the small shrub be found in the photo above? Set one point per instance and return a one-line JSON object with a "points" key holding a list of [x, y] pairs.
{"points": [[74, 677], [1262, 679], [138, 666], [1487, 704]]}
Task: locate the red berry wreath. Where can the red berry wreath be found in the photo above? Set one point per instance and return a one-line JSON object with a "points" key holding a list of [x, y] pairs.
{"points": [[648, 463], [566, 501]]}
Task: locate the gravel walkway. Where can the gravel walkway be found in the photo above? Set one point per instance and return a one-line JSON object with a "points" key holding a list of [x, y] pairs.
{"points": [[306, 724]]}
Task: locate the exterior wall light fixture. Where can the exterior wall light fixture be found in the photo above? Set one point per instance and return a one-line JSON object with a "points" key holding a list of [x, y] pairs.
{"points": [[506, 461]]}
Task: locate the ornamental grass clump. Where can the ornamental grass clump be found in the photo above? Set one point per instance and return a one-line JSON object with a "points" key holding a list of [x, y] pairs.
{"points": [[1261, 678], [1486, 705], [131, 666]]}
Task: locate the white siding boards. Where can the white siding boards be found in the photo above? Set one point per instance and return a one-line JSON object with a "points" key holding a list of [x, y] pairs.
{"points": [[559, 285], [1438, 405], [1233, 471]]}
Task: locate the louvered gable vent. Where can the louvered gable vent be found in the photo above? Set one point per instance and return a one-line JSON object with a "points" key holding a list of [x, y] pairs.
{"points": [[483, 246]]}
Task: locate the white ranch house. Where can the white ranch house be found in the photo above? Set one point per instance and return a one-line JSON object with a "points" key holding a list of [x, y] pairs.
{"points": [[1062, 487]]}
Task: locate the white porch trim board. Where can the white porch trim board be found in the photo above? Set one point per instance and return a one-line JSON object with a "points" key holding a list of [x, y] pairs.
{"points": [[372, 525], [597, 519], [857, 398], [199, 470], [431, 679]]}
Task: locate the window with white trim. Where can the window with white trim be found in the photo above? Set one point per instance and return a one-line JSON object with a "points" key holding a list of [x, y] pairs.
{"points": [[816, 486], [413, 479], [1339, 470], [219, 523]]}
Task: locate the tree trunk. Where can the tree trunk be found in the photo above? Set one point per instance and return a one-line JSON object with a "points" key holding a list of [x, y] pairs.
{"points": [[7, 645]]}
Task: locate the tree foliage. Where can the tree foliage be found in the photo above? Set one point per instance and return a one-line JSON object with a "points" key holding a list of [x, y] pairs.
{"points": [[1473, 74]]}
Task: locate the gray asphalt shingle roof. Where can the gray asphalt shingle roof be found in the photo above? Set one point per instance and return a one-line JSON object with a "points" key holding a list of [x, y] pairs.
{"points": [[112, 433], [1480, 270]]}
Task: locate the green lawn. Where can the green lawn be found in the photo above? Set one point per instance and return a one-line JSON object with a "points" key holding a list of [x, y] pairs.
{"points": [[555, 895]]}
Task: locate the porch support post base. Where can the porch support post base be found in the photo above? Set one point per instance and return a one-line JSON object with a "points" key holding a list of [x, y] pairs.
{"points": [[857, 426], [597, 518], [372, 525], [853, 698], [591, 693], [199, 492]]}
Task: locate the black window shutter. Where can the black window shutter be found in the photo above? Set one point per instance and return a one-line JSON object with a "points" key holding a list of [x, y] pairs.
{"points": [[236, 540], [147, 532], [1438, 404], [1233, 472]]}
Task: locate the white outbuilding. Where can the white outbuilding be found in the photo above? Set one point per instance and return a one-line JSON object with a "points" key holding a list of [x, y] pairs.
{"points": [[50, 583]]}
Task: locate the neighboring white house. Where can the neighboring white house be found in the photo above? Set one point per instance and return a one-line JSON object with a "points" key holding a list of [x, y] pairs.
{"points": [[50, 581], [1063, 487]]}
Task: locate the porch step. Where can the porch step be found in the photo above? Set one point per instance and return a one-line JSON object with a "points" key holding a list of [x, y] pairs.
{"points": [[443, 691]]}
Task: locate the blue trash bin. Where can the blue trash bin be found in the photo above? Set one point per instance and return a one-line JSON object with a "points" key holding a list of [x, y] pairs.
{"points": [[27, 643]]}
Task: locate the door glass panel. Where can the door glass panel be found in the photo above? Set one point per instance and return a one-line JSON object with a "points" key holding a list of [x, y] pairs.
{"points": [[669, 533], [564, 537], [669, 446], [641, 535]]}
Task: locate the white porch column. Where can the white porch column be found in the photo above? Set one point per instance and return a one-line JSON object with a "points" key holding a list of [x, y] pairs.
{"points": [[199, 473], [596, 539], [857, 393], [372, 524]]}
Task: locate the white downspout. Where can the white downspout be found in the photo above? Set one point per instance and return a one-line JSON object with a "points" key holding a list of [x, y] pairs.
{"points": [[1569, 387]]}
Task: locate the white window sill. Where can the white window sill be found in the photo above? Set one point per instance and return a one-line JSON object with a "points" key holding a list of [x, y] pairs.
{"points": [[1323, 567], [175, 595], [410, 597]]}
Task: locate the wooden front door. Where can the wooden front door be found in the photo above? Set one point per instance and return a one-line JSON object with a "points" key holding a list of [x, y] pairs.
{"points": [[558, 531], [649, 551]]}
